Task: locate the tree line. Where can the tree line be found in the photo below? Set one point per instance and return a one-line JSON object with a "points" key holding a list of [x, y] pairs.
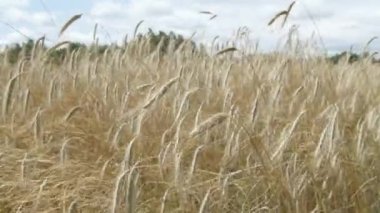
{"points": [[160, 41]]}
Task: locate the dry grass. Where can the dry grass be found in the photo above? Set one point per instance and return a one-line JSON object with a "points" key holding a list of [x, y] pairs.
{"points": [[130, 132]]}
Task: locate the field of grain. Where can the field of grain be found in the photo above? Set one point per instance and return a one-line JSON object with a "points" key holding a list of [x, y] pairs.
{"points": [[131, 131]]}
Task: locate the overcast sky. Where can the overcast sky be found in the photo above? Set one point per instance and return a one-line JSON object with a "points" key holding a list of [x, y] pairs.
{"points": [[339, 23]]}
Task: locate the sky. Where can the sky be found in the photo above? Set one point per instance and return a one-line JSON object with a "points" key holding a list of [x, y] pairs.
{"points": [[337, 25]]}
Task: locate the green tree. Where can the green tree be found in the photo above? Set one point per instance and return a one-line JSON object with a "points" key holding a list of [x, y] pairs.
{"points": [[348, 56], [164, 42], [16, 50]]}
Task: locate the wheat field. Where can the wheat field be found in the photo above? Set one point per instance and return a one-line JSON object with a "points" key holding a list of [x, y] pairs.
{"points": [[132, 131]]}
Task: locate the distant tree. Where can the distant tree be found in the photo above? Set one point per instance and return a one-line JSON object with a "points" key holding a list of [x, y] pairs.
{"points": [[58, 56], [164, 42], [348, 56], [27, 47], [16, 50], [13, 51], [161, 41]]}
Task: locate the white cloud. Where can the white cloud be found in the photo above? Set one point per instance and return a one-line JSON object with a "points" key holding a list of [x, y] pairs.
{"points": [[20, 15], [14, 36], [355, 24], [13, 3], [107, 9]]}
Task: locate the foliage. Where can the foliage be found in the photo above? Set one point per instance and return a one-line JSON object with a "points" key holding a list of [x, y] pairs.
{"points": [[166, 42], [352, 57], [161, 42], [14, 51]]}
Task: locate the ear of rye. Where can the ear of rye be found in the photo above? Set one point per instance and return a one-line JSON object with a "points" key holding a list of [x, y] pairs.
{"points": [[276, 17], [160, 93], [137, 28], [230, 49], [287, 13], [7, 95], [208, 124], [68, 23]]}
